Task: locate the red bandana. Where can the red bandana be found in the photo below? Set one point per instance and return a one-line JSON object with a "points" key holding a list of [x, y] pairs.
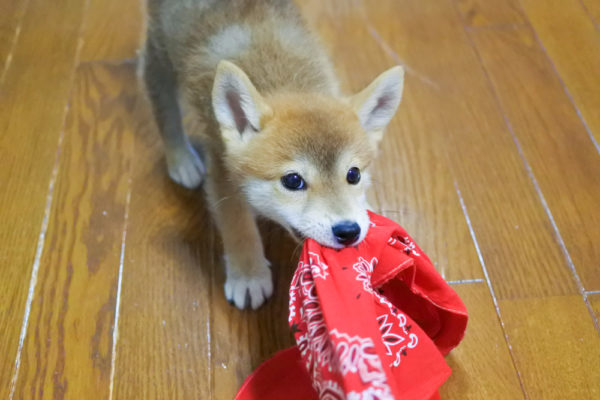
{"points": [[370, 322]]}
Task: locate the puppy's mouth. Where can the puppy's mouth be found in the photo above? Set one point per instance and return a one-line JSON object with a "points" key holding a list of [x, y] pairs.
{"points": [[300, 237]]}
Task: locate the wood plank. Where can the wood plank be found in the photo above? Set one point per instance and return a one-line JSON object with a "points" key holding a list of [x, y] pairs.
{"points": [[555, 345], [11, 15], [32, 106], [510, 224], [573, 43], [593, 9], [548, 128], [594, 300], [165, 320], [412, 182], [113, 30], [491, 13], [482, 367], [465, 124], [68, 349]]}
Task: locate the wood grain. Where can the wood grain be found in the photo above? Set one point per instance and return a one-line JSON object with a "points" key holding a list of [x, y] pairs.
{"points": [[573, 43], [476, 75], [412, 182], [482, 367], [32, 106], [11, 15], [165, 319], [555, 345], [68, 349], [491, 13], [509, 221], [113, 29], [593, 9], [594, 300], [548, 128]]}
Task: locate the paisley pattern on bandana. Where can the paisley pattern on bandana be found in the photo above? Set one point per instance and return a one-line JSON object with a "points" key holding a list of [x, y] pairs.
{"points": [[353, 314]]}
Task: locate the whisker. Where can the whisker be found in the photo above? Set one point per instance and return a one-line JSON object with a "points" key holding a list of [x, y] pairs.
{"points": [[296, 253], [216, 203]]}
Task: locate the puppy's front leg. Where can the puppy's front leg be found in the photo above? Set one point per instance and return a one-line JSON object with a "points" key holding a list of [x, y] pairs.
{"points": [[249, 281]]}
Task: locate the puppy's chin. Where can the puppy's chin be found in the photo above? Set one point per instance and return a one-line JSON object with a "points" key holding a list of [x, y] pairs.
{"points": [[334, 244], [299, 237], [331, 243]]}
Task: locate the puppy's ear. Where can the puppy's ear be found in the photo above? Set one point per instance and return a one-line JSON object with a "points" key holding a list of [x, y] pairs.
{"points": [[377, 104], [237, 105]]}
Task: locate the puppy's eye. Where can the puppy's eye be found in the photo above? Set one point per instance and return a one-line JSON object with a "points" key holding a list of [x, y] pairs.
{"points": [[293, 181], [353, 176]]}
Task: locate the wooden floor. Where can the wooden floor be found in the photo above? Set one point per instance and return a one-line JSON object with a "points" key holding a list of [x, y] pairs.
{"points": [[111, 284]]}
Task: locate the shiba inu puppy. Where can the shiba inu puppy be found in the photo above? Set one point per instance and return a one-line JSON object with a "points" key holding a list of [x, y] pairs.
{"points": [[279, 140]]}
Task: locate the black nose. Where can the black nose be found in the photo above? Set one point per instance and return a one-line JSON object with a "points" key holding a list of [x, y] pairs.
{"points": [[346, 232]]}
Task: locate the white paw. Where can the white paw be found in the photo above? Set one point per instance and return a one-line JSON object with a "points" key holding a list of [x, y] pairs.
{"points": [[186, 167], [248, 289]]}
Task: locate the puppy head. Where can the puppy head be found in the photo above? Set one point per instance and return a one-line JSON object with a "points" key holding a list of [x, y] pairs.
{"points": [[303, 159]]}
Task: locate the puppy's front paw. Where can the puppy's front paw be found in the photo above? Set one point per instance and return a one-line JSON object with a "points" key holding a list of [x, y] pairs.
{"points": [[248, 288], [186, 167]]}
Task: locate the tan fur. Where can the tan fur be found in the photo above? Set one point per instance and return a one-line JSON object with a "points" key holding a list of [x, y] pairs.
{"points": [[315, 126], [271, 109]]}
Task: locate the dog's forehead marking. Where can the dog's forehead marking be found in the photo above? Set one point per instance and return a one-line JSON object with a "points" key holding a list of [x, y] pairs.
{"points": [[323, 135], [323, 150], [308, 132]]}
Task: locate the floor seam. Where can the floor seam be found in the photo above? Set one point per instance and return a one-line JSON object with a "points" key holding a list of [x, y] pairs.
{"points": [[115, 336], [490, 287], [464, 281], [589, 14], [13, 45], [47, 211], [560, 79], [533, 179], [36, 263]]}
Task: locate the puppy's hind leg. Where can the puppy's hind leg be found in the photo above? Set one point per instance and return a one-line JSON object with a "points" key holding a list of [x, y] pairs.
{"points": [[184, 164]]}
